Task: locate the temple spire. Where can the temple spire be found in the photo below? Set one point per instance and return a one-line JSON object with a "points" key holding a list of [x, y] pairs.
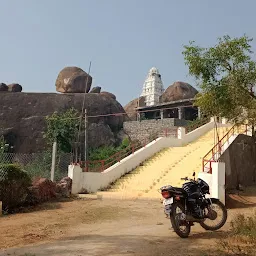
{"points": [[153, 87]]}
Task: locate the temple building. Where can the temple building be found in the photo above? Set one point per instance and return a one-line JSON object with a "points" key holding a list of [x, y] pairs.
{"points": [[153, 88], [177, 101]]}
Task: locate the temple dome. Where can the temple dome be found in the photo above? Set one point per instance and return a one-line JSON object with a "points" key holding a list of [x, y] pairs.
{"points": [[178, 91], [154, 71]]}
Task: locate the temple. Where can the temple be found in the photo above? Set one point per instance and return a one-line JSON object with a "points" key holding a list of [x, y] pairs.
{"points": [[177, 101], [152, 88], [181, 109]]}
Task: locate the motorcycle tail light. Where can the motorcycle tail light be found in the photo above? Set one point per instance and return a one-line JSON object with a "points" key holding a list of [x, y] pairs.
{"points": [[165, 194], [177, 198]]}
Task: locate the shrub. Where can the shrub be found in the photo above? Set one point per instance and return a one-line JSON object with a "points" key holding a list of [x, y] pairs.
{"points": [[125, 143], [107, 151], [39, 166], [14, 183], [244, 226], [242, 238]]}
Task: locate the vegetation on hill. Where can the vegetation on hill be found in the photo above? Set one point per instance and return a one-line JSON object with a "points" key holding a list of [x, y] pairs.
{"points": [[63, 128]]}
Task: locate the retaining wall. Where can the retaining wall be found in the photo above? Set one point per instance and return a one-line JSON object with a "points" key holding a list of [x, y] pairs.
{"points": [[145, 129]]}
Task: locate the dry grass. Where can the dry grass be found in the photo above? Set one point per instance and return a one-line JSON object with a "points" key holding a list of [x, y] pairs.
{"points": [[241, 240]]}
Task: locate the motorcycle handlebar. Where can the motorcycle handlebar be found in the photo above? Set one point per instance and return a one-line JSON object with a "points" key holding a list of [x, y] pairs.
{"points": [[186, 178]]}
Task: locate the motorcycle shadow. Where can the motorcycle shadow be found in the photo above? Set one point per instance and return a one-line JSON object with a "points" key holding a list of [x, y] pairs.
{"points": [[210, 234]]}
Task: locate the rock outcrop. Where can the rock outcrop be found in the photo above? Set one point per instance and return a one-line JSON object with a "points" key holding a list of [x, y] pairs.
{"points": [[22, 117], [95, 89], [130, 108], [3, 87], [98, 134], [178, 91], [43, 190], [73, 80], [14, 88], [63, 188], [109, 94]]}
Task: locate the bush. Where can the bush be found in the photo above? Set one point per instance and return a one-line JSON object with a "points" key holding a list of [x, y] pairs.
{"points": [[106, 152], [14, 183], [39, 166], [101, 153], [245, 226], [242, 238]]}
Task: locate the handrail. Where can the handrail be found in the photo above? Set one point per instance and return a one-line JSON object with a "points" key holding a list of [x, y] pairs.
{"points": [[216, 150], [103, 164]]}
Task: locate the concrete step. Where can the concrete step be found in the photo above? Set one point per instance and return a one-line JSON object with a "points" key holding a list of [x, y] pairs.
{"points": [[166, 167]]}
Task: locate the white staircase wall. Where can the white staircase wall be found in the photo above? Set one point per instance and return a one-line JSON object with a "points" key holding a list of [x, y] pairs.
{"points": [[92, 182], [216, 181]]}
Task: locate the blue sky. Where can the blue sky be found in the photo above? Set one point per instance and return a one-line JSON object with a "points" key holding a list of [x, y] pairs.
{"points": [[123, 39]]}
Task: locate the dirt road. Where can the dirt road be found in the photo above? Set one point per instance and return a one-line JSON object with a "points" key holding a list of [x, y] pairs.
{"points": [[103, 227]]}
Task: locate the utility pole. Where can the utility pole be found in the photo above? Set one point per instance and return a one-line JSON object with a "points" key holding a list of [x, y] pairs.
{"points": [[85, 135], [54, 151]]}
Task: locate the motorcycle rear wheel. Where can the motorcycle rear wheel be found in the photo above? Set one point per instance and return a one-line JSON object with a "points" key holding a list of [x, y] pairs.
{"points": [[223, 220], [176, 221]]}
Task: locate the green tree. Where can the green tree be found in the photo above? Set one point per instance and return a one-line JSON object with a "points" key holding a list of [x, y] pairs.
{"points": [[63, 128], [226, 74]]}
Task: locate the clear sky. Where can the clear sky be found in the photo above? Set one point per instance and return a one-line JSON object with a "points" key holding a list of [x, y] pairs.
{"points": [[122, 38]]}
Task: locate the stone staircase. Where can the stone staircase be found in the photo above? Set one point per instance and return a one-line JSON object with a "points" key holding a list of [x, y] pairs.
{"points": [[166, 167]]}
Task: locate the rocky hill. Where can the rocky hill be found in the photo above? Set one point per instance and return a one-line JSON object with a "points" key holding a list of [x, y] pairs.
{"points": [[22, 115]]}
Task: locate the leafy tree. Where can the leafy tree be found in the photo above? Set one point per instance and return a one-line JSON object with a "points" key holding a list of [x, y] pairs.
{"points": [[63, 128], [226, 74]]}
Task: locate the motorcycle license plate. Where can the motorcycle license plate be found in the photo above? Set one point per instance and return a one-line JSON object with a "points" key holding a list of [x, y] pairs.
{"points": [[168, 201]]}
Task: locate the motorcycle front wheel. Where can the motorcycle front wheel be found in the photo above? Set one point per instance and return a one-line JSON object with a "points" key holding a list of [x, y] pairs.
{"points": [[178, 220], [211, 222]]}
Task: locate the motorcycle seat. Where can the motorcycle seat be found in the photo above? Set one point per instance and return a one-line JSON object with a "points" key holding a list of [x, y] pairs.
{"points": [[180, 191]]}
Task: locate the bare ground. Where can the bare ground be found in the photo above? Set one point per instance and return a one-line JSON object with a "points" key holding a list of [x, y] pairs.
{"points": [[108, 227]]}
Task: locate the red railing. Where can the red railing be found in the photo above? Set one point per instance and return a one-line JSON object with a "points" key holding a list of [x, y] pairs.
{"points": [[101, 165], [214, 154]]}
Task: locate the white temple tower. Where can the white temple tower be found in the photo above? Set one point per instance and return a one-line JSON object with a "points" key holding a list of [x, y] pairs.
{"points": [[153, 87]]}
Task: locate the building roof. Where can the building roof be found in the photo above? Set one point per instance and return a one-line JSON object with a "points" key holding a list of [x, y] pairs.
{"points": [[175, 103]]}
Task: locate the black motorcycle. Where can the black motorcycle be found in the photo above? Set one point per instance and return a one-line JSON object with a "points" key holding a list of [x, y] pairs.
{"points": [[189, 204]]}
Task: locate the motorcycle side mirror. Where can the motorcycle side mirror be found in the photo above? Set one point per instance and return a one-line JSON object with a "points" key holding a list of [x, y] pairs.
{"points": [[194, 174]]}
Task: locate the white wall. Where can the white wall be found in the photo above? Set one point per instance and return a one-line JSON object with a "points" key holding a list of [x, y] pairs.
{"points": [[194, 135], [216, 181], [91, 182]]}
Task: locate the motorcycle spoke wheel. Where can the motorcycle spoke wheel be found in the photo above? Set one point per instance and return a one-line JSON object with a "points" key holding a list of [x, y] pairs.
{"points": [[216, 216], [178, 220]]}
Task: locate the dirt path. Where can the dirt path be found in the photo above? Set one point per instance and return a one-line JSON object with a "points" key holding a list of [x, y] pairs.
{"points": [[107, 227]]}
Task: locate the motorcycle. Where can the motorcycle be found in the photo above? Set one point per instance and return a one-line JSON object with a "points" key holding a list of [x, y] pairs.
{"points": [[187, 205]]}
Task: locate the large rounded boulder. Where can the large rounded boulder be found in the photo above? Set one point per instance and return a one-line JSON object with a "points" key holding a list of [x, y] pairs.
{"points": [[178, 91], [109, 94], [130, 108], [3, 87], [95, 89], [14, 88], [73, 80]]}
